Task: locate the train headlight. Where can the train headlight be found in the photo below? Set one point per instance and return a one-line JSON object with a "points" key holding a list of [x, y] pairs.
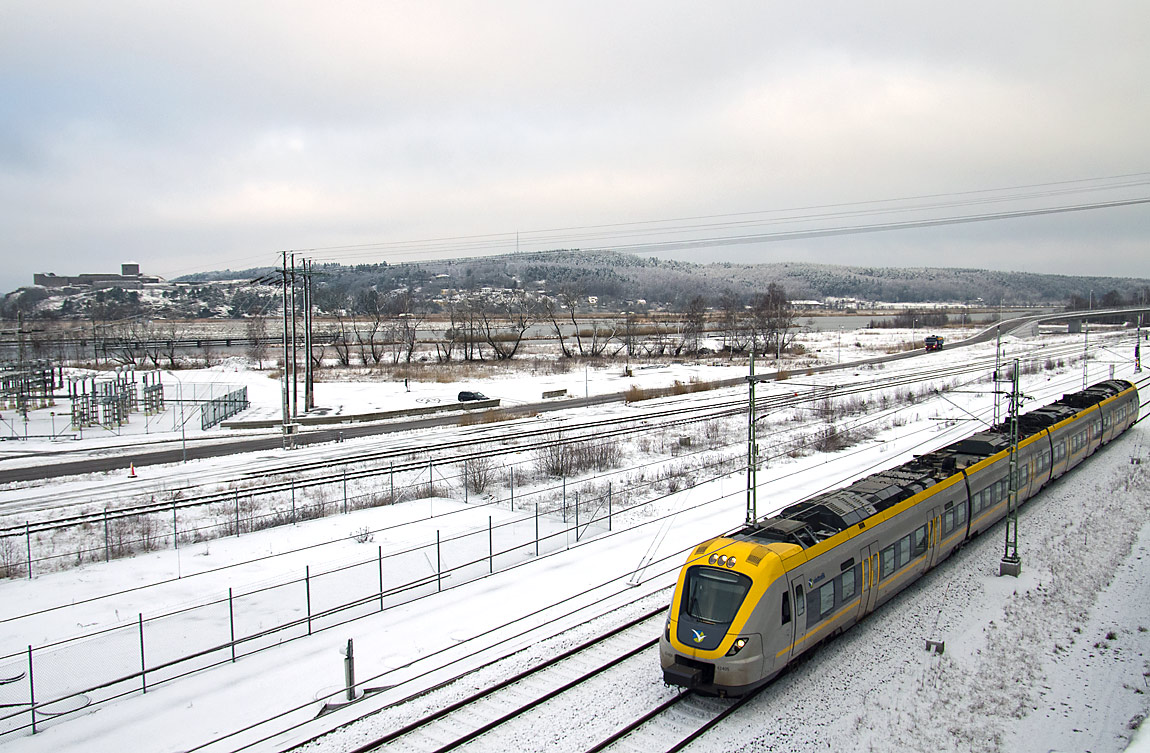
{"points": [[713, 559], [730, 561], [737, 646], [667, 630]]}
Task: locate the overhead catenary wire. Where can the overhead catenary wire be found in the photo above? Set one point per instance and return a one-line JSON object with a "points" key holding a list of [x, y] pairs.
{"points": [[758, 226]]}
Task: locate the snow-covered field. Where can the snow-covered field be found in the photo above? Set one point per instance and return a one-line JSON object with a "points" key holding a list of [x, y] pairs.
{"points": [[1052, 660]]}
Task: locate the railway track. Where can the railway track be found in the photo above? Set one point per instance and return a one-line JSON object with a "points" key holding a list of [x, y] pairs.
{"points": [[494, 717], [512, 439], [484, 712], [682, 718]]}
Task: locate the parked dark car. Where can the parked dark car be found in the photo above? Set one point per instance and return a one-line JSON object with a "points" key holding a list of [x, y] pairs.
{"points": [[466, 396]]}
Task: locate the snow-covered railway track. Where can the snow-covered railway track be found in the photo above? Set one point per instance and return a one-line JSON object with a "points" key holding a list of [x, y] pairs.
{"points": [[481, 714], [673, 724]]}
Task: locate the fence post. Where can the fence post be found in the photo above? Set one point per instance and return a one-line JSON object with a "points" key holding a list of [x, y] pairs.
{"points": [[349, 670], [536, 529], [430, 480], [576, 517], [175, 528], [31, 690], [143, 664], [28, 539], [307, 587], [391, 474], [465, 481], [564, 497], [237, 512], [608, 505], [107, 539], [380, 556], [438, 564], [293, 501], [512, 472], [232, 623], [345, 490], [490, 548]]}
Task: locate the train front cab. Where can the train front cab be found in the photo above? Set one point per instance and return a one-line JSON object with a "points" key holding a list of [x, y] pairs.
{"points": [[714, 639]]}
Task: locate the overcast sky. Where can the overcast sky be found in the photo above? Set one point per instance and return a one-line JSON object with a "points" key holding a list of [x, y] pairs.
{"points": [[200, 135]]}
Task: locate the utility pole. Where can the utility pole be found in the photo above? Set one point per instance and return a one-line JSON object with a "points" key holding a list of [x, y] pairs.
{"points": [[294, 371], [1011, 563], [997, 367], [309, 377], [1085, 352], [286, 411], [1138, 340], [752, 448]]}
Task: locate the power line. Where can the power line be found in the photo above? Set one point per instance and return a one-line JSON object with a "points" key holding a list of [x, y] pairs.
{"points": [[696, 231]]}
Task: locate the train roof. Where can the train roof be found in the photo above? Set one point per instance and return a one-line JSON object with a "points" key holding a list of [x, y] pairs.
{"points": [[809, 522]]}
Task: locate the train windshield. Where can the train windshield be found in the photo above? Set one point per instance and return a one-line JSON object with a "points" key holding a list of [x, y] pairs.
{"points": [[714, 595]]}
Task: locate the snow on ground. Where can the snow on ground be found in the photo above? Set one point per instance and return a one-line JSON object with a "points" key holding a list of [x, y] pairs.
{"points": [[1030, 664]]}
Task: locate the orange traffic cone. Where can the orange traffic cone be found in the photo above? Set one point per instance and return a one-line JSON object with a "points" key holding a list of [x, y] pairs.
{"points": [[131, 470]]}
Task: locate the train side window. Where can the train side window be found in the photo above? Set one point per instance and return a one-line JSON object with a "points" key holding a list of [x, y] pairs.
{"points": [[849, 584], [887, 561], [919, 542], [903, 551], [799, 603], [826, 599], [959, 516], [947, 522], [786, 608]]}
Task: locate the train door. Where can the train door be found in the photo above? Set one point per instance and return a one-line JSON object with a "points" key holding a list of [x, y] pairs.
{"points": [[933, 538], [799, 597], [868, 595]]}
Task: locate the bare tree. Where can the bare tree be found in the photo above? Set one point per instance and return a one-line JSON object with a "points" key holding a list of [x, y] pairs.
{"points": [[403, 333], [256, 329], [551, 311], [738, 329], [694, 321], [450, 338], [504, 322], [590, 342], [773, 320], [341, 343]]}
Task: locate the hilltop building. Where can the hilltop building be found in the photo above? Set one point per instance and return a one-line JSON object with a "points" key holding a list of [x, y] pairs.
{"points": [[129, 277]]}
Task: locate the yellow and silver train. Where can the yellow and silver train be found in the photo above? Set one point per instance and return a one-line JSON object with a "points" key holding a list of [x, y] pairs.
{"points": [[748, 604]]}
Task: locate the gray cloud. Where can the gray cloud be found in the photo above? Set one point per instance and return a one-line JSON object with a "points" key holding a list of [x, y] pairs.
{"points": [[210, 134]]}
